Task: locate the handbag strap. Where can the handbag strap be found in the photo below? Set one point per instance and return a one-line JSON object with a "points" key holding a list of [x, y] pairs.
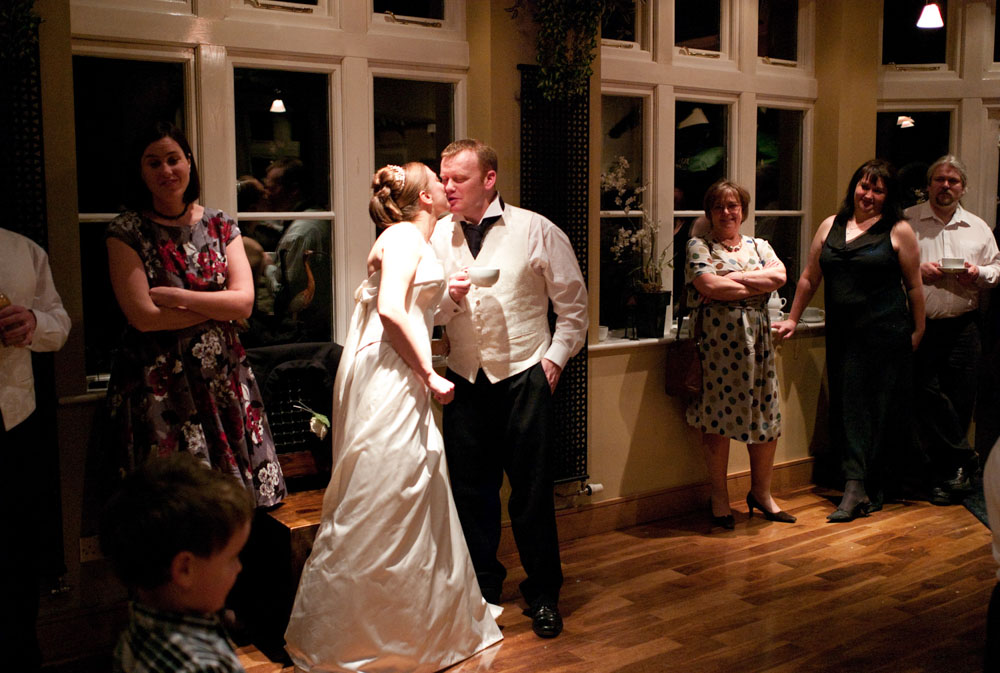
{"points": [[684, 311]]}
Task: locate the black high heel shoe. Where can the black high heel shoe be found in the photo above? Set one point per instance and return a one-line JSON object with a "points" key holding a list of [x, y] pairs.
{"points": [[725, 521], [780, 515], [855, 503], [838, 515]]}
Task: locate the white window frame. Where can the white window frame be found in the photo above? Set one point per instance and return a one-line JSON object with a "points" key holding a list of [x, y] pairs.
{"points": [[727, 57], [452, 27], [639, 49]]}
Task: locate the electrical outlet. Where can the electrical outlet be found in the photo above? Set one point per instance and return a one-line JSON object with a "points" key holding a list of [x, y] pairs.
{"points": [[90, 549]]}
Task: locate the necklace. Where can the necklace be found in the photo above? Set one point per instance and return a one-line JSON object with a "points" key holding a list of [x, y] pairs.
{"points": [[171, 217], [729, 248]]}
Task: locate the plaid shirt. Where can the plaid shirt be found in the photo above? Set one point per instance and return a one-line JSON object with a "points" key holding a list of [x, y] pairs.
{"points": [[164, 642]]}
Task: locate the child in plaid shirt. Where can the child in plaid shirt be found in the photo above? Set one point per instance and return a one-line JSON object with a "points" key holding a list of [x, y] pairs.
{"points": [[174, 534]]}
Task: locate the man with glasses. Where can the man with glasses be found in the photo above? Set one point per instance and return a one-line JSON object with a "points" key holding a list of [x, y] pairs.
{"points": [[958, 259]]}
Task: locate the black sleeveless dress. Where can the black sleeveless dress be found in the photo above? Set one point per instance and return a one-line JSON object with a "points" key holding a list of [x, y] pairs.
{"points": [[869, 356]]}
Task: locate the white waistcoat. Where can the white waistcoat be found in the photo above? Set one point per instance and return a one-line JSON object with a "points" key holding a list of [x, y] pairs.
{"points": [[504, 329]]}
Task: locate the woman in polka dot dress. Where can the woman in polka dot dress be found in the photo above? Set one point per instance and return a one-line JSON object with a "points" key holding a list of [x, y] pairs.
{"points": [[730, 277]]}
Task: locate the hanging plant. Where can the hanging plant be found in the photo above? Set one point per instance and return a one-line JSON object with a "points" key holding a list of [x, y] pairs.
{"points": [[566, 42], [19, 29]]}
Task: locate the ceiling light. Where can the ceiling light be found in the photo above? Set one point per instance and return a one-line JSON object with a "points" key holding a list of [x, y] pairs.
{"points": [[930, 17], [277, 105]]}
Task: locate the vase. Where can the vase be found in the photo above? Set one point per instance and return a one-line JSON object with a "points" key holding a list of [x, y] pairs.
{"points": [[651, 313]]}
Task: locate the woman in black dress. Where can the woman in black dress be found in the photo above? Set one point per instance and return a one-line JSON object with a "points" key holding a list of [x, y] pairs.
{"points": [[874, 321]]}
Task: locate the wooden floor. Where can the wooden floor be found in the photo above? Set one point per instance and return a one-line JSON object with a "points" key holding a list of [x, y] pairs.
{"points": [[904, 590]]}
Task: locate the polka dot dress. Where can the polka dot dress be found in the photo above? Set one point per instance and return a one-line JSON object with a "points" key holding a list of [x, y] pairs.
{"points": [[739, 397]]}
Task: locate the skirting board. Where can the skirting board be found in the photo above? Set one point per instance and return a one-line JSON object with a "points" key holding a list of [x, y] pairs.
{"points": [[601, 517]]}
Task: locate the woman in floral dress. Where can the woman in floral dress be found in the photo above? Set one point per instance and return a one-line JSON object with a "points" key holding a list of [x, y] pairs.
{"points": [[180, 381]]}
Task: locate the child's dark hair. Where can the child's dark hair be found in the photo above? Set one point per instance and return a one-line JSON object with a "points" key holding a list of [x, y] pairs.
{"points": [[167, 506]]}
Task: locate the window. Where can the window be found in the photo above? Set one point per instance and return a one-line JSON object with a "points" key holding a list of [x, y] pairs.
{"points": [[778, 193], [778, 30], [413, 120], [903, 42], [621, 175], [701, 151], [114, 100], [626, 23], [698, 25], [912, 141], [996, 37], [283, 168], [424, 9]]}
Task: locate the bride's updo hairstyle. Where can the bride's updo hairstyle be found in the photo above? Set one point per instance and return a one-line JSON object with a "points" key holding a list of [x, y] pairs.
{"points": [[396, 193]]}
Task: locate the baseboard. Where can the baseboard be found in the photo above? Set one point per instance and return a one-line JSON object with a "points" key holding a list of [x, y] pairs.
{"points": [[634, 510]]}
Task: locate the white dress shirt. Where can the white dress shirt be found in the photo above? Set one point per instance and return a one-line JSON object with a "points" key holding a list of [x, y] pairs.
{"points": [[550, 255], [965, 236], [26, 279]]}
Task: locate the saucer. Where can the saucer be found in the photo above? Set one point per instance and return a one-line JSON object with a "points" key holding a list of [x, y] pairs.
{"points": [[952, 269]]}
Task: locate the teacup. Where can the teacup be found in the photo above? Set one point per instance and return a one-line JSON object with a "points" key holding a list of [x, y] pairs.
{"points": [[813, 314], [776, 314], [602, 332], [952, 263], [484, 276]]}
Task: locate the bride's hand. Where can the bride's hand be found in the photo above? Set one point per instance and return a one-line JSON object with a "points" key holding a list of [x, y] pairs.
{"points": [[442, 389]]}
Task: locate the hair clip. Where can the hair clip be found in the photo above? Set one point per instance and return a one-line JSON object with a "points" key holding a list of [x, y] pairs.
{"points": [[398, 173]]}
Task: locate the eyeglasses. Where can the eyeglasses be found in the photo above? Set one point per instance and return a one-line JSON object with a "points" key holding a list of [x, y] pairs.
{"points": [[724, 207]]}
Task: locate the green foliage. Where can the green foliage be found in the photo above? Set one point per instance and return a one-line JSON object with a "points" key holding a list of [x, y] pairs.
{"points": [[567, 39], [18, 32]]}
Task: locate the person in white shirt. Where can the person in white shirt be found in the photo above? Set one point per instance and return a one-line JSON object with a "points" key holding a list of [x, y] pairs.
{"points": [[948, 359], [32, 319], [505, 364]]}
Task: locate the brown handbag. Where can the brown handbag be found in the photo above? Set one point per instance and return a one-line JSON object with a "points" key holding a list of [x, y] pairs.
{"points": [[682, 376]]}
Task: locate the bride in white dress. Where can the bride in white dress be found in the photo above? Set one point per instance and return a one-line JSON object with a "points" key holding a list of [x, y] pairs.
{"points": [[389, 585]]}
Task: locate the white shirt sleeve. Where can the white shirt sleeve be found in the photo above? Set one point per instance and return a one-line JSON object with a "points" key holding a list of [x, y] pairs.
{"points": [[53, 322], [551, 254], [989, 268]]}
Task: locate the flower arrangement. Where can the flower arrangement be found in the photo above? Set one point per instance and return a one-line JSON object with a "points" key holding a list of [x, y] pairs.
{"points": [[635, 244]]}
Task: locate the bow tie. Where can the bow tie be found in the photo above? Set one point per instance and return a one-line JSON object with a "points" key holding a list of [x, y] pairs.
{"points": [[475, 233]]}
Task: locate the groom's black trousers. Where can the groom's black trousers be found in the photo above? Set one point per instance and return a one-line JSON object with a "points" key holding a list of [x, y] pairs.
{"points": [[489, 429]]}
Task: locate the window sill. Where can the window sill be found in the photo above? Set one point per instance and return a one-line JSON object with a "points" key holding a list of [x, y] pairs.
{"points": [[804, 329]]}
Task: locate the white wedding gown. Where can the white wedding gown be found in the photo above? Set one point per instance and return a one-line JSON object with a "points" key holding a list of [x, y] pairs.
{"points": [[389, 585]]}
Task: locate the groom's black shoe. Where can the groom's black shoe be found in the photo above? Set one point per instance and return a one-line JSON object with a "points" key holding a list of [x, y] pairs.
{"points": [[545, 620]]}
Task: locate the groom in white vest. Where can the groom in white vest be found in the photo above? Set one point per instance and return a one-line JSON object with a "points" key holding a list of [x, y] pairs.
{"points": [[505, 364]]}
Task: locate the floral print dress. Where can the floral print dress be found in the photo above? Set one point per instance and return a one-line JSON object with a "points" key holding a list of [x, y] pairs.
{"points": [[189, 389]]}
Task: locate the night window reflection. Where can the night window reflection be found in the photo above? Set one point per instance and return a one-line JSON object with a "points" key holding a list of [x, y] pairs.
{"points": [[903, 42], [912, 141], [621, 166], [113, 99], [621, 21], [413, 121], [424, 9], [283, 166], [701, 149], [778, 193], [697, 25], [778, 29]]}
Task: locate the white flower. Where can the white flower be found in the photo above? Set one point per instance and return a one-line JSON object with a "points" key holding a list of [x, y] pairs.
{"points": [[318, 427], [195, 437]]}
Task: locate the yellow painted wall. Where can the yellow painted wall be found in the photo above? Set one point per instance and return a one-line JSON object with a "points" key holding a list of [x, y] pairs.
{"points": [[639, 440]]}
